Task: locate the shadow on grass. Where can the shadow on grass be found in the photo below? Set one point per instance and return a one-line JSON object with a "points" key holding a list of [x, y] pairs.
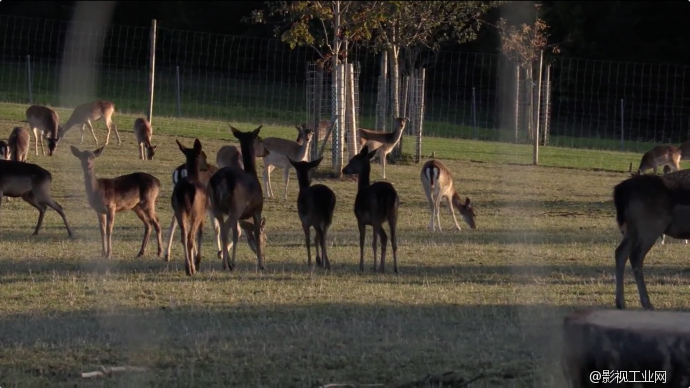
{"points": [[285, 344]]}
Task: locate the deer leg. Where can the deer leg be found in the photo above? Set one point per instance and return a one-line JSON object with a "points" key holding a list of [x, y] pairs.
{"points": [[235, 237], [267, 179], [50, 202], [102, 227], [199, 241], [224, 239], [383, 161], [257, 233], [622, 253], [110, 219], [171, 233], [393, 224], [374, 241], [384, 242], [317, 246], [637, 256], [31, 200], [324, 254], [431, 207], [112, 125], [307, 237], [35, 141], [216, 228], [188, 266], [452, 213], [153, 219], [88, 123], [42, 150], [286, 179], [147, 229], [437, 209], [362, 235]]}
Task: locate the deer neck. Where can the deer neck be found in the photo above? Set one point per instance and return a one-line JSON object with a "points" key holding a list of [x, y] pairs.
{"points": [[303, 180], [90, 180], [248, 158], [397, 134], [363, 177], [303, 150]]}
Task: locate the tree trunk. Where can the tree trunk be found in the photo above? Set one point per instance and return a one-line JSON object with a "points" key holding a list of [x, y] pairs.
{"points": [[394, 61]]}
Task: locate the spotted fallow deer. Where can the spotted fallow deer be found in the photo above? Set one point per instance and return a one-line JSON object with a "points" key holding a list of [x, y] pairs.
{"points": [[374, 204], [107, 196], [143, 133], [237, 193], [84, 114], [383, 142], [279, 151], [438, 185], [18, 143], [646, 207], [315, 207], [45, 123], [659, 156]]}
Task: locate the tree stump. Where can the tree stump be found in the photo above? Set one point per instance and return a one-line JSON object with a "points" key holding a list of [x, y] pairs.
{"points": [[625, 346]]}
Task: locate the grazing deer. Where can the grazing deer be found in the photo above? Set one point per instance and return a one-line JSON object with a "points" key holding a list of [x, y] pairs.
{"points": [[231, 155], [84, 114], [32, 184], [646, 207], [279, 151], [438, 185], [45, 121], [189, 199], [5, 150], [204, 177], [659, 156], [107, 196], [143, 133], [237, 193], [374, 204], [18, 143], [383, 142], [315, 206]]}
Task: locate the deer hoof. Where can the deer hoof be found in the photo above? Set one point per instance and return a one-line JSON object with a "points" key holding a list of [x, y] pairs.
{"points": [[166, 258], [220, 255], [319, 262], [140, 254]]}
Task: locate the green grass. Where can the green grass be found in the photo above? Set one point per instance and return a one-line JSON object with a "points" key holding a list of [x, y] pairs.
{"points": [[486, 301]]}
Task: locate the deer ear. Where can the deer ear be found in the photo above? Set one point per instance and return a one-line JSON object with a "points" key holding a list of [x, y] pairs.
{"points": [[467, 201], [98, 152], [75, 151], [255, 133], [364, 150], [182, 148], [197, 146], [315, 163], [295, 164], [372, 154]]}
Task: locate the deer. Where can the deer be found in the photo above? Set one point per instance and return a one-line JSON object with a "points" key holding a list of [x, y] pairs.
{"points": [[18, 144], [375, 204], [659, 156], [646, 207], [84, 114], [143, 133], [279, 151], [231, 155], [31, 183], [383, 142], [315, 206], [438, 185], [237, 193], [189, 199], [204, 177], [137, 191], [45, 121]]}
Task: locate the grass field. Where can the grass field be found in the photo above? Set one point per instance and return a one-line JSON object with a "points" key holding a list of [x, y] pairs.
{"points": [[489, 301]]}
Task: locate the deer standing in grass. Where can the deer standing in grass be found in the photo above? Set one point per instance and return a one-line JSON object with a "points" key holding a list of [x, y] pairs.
{"points": [[237, 193], [279, 151], [107, 196], [383, 142], [189, 199], [143, 133], [84, 114], [315, 206], [44, 121], [659, 156], [31, 183], [18, 143], [648, 206], [438, 185], [374, 204]]}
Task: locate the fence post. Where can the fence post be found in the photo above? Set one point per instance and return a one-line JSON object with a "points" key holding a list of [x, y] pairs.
{"points": [[622, 125], [547, 106], [318, 95], [474, 113], [421, 89], [517, 102], [535, 159], [179, 98], [28, 79], [352, 139], [382, 105], [152, 68]]}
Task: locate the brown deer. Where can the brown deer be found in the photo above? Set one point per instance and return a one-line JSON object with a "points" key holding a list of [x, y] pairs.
{"points": [[438, 185], [84, 114], [5, 150], [237, 193], [189, 199], [143, 133], [18, 143], [31, 183], [107, 196], [374, 204], [383, 142], [44, 121], [231, 155], [315, 206], [279, 151], [648, 206], [659, 156], [204, 177]]}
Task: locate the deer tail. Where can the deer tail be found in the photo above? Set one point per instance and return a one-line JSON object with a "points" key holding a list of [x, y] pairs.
{"points": [[620, 200], [430, 172]]}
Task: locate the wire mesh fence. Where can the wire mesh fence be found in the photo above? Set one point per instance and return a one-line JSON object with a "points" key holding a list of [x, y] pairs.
{"points": [[592, 104]]}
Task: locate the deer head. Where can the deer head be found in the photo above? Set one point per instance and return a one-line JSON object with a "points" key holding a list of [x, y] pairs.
{"points": [[354, 166], [466, 211], [87, 157]]}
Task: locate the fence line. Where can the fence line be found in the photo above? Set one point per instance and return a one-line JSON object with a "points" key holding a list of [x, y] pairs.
{"points": [[466, 95]]}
